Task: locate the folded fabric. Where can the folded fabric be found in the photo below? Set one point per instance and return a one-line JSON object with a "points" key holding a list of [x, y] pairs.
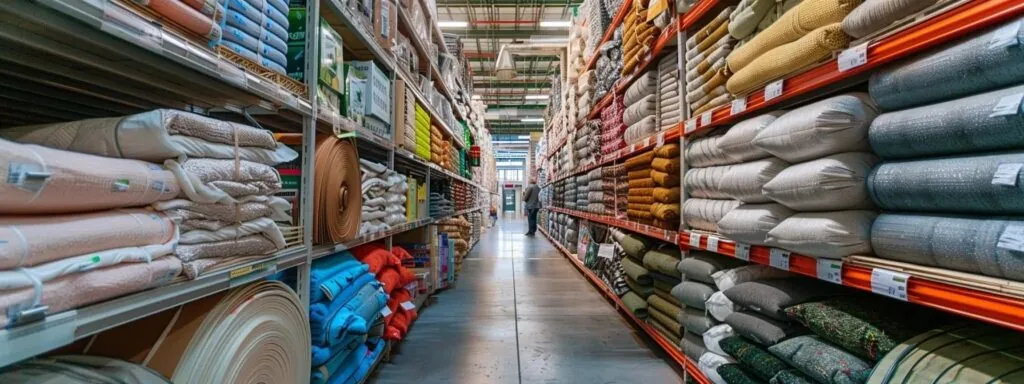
{"points": [[252, 245], [824, 234], [834, 125], [770, 297], [224, 181], [666, 165], [261, 226], [693, 294], [822, 361], [333, 357], [341, 367], [745, 182], [329, 276], [701, 265], [728, 278], [338, 314], [192, 215], [797, 23], [788, 58], [753, 358]]}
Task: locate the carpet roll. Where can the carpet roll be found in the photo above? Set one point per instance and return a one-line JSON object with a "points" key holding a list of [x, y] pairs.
{"points": [[646, 200], [338, 201], [977, 353], [640, 191], [667, 151], [668, 212], [636, 304], [639, 174], [666, 180], [667, 325], [793, 25], [640, 161], [788, 58], [666, 165], [666, 195], [875, 15]]}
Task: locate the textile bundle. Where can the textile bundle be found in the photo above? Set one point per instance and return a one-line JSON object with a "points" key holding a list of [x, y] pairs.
{"points": [[384, 197], [337, 198], [610, 269], [641, 101], [641, 188], [788, 58], [258, 31], [612, 128], [695, 292], [394, 279], [665, 173], [638, 36], [706, 71], [670, 112]]}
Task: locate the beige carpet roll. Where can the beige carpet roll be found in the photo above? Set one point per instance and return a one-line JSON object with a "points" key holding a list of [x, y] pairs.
{"points": [[338, 200], [787, 58], [793, 25]]}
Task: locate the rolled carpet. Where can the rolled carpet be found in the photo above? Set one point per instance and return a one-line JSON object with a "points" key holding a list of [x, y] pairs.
{"points": [[693, 294], [663, 260], [875, 15], [704, 214], [667, 151], [667, 324], [788, 58], [822, 361], [636, 271], [636, 304], [79, 369], [735, 374], [337, 204], [693, 346], [798, 22], [666, 195], [976, 353], [641, 290]]}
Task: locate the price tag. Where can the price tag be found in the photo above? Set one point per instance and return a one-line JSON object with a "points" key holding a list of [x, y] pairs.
{"points": [[691, 125], [743, 251], [830, 270], [408, 306], [853, 57], [661, 139], [385, 312], [1005, 36], [249, 273], [738, 106], [632, 147], [705, 119], [779, 258], [647, 141], [694, 240], [713, 243], [889, 283], [1012, 238], [606, 251], [1006, 174], [1008, 105], [667, 236], [773, 90]]}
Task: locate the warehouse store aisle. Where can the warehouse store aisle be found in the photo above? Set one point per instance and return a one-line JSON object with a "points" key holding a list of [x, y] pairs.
{"points": [[521, 313]]}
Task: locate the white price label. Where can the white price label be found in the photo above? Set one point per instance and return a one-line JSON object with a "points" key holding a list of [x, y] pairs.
{"points": [[889, 283], [691, 125], [705, 119], [830, 270], [661, 139], [853, 57], [713, 243], [1006, 174], [1008, 105], [408, 306], [743, 251], [779, 258], [647, 141], [773, 90], [1005, 36], [385, 312], [1012, 238], [694, 240], [632, 147], [738, 106]]}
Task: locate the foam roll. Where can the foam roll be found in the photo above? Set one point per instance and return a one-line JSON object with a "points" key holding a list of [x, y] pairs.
{"points": [[338, 201]]}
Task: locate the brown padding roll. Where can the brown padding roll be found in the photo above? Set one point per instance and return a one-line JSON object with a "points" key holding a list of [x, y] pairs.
{"points": [[667, 180], [639, 174], [641, 183], [665, 165], [640, 199], [666, 195], [667, 151], [640, 161], [338, 199]]}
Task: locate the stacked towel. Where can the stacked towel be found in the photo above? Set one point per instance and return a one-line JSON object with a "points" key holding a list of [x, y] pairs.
{"points": [[669, 111], [609, 64], [665, 168], [706, 71], [640, 198], [612, 128], [384, 197], [258, 31], [639, 34]]}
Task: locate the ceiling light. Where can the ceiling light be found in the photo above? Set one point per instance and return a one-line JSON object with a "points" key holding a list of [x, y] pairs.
{"points": [[452, 24], [504, 66], [556, 24], [532, 120], [537, 97]]}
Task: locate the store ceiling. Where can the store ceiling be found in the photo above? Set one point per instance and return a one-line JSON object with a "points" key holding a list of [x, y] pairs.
{"points": [[486, 25]]}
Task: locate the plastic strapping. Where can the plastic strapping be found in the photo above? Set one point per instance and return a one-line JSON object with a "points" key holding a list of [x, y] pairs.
{"points": [[24, 245], [17, 311], [163, 336]]}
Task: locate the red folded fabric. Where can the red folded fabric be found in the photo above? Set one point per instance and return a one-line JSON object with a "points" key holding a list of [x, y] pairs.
{"points": [[401, 253], [390, 279]]}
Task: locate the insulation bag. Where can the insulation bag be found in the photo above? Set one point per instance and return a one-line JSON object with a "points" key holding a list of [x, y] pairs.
{"points": [[738, 142], [704, 214], [834, 125], [750, 223], [825, 234], [744, 182], [832, 183], [704, 182], [706, 152]]}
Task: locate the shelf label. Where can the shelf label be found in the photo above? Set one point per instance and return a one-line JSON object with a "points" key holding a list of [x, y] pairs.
{"points": [[408, 306], [1008, 105], [738, 106], [632, 147], [830, 270], [1012, 238], [647, 141], [705, 119], [249, 273], [691, 125], [773, 90], [779, 258], [889, 283], [743, 251], [694, 240], [1005, 37], [385, 312], [713, 243], [853, 57], [661, 139], [606, 251], [1006, 174]]}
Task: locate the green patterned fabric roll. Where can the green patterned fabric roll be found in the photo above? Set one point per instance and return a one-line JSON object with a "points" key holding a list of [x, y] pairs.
{"points": [[754, 358], [822, 361], [734, 374], [668, 323], [644, 291], [663, 261], [635, 246], [636, 304], [791, 376], [636, 272], [663, 305]]}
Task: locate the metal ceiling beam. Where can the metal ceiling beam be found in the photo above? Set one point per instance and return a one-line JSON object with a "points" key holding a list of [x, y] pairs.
{"points": [[520, 106], [539, 58], [507, 33], [501, 3], [511, 84]]}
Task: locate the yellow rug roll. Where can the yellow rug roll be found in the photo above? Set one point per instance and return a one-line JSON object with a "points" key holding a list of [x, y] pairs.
{"points": [[712, 104], [643, 214], [641, 183], [639, 174], [667, 212], [667, 151], [667, 180], [666, 195], [720, 32], [648, 191], [639, 207], [787, 58], [640, 199], [665, 165], [338, 198], [708, 30], [640, 161], [799, 21]]}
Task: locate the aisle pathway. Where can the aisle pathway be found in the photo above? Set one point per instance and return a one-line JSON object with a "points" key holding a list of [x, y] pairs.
{"points": [[521, 313]]}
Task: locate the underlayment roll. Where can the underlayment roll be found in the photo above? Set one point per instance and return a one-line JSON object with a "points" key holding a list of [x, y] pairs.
{"points": [[794, 24], [338, 201], [977, 353], [79, 369]]}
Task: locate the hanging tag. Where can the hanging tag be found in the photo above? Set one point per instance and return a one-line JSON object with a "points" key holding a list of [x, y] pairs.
{"points": [[889, 283], [661, 139], [1006, 174], [408, 306], [853, 57], [705, 119], [1005, 36], [738, 106], [743, 251], [773, 90], [691, 125], [385, 312], [606, 251], [1008, 105], [712, 243], [830, 270], [779, 258], [1012, 238], [694, 240]]}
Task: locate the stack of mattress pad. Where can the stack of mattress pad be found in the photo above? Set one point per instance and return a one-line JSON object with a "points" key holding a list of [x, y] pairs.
{"points": [[384, 197], [258, 31]]}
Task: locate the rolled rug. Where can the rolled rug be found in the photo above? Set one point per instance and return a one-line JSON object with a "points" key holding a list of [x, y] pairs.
{"points": [[79, 369], [798, 22], [636, 304], [788, 58], [822, 361], [337, 201], [977, 353]]}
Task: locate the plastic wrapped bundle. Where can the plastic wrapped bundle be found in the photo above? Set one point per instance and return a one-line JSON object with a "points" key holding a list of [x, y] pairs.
{"points": [[704, 182], [956, 126], [738, 142], [986, 184], [706, 152], [980, 245], [824, 234], [834, 125], [788, 58], [704, 214], [963, 68]]}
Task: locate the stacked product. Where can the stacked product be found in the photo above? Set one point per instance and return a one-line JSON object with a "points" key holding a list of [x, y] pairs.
{"points": [[384, 197], [610, 269], [204, 19], [752, 17], [576, 60], [406, 116], [570, 193], [874, 16], [595, 194], [596, 23], [641, 101], [641, 285], [703, 306], [639, 34], [582, 191], [585, 88], [803, 36], [588, 143], [706, 203], [440, 205], [706, 71], [622, 188], [665, 170], [612, 128], [609, 64], [457, 229], [953, 353], [258, 31], [423, 142], [389, 270], [950, 182], [345, 303], [641, 188], [225, 208], [609, 180], [670, 112], [438, 150], [665, 312]]}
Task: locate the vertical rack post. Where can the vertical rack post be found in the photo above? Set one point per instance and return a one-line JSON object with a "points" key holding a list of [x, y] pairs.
{"points": [[681, 86], [309, 145]]}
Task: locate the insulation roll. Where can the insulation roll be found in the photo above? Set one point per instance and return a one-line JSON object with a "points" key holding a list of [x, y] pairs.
{"points": [[704, 213], [967, 67], [706, 152], [337, 204], [986, 184], [875, 15], [798, 22]]}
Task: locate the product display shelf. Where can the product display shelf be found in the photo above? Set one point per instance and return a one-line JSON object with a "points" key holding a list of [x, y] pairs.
{"points": [[341, 126], [436, 168], [620, 16], [696, 12], [668, 136], [554, 149], [148, 55], [663, 40], [434, 116], [973, 303], [670, 349], [665, 235], [967, 18], [355, 35]]}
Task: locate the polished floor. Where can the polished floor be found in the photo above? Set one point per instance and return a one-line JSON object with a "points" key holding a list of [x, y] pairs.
{"points": [[521, 313]]}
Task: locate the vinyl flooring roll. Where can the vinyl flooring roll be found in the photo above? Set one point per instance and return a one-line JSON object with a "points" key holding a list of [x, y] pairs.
{"points": [[337, 201]]}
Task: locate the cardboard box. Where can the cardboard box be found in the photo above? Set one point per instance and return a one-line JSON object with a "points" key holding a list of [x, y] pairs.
{"points": [[385, 23]]}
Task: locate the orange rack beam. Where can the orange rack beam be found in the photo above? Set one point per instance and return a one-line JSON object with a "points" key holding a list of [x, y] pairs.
{"points": [[695, 13], [666, 235], [670, 135], [949, 26]]}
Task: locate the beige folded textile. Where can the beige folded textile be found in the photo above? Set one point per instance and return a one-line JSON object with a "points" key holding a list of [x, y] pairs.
{"points": [[227, 179], [191, 215], [252, 245]]}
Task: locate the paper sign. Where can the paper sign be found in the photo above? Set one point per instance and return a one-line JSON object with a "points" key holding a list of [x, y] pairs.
{"points": [[1005, 36], [691, 125], [889, 283], [694, 240], [713, 243], [408, 306], [853, 57], [705, 119], [738, 106], [385, 312], [779, 258], [830, 270], [743, 251], [773, 90], [1007, 106], [1012, 238], [606, 251], [1006, 174], [661, 139]]}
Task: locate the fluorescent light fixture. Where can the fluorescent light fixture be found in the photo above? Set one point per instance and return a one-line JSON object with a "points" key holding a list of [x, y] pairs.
{"points": [[532, 120], [452, 24], [556, 24], [524, 137], [537, 97]]}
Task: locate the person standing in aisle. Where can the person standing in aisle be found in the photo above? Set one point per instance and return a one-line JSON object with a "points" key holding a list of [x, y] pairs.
{"points": [[531, 199]]}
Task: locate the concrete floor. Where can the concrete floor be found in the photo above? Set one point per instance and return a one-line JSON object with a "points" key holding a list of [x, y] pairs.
{"points": [[521, 313]]}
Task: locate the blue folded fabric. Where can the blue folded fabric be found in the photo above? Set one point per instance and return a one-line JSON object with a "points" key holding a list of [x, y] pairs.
{"points": [[346, 369], [322, 313], [322, 355], [358, 314], [331, 288], [326, 268], [367, 364]]}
